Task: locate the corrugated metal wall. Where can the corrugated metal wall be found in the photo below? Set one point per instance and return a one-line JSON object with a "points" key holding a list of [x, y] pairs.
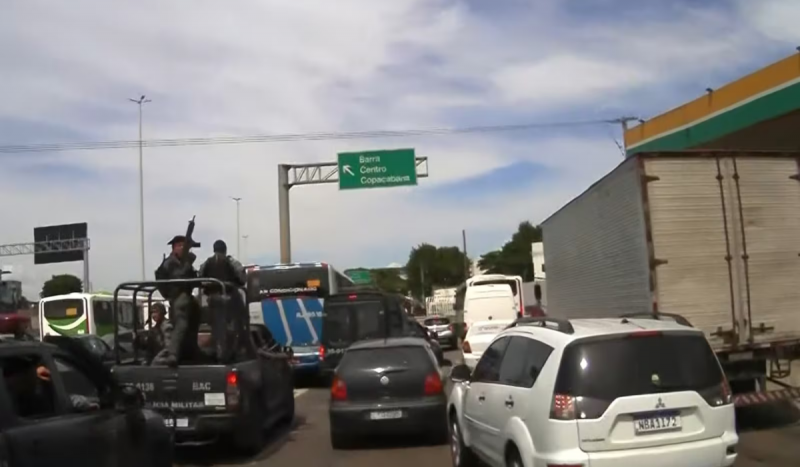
{"points": [[595, 250]]}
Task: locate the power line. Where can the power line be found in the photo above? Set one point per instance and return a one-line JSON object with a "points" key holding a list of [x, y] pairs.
{"points": [[373, 134]]}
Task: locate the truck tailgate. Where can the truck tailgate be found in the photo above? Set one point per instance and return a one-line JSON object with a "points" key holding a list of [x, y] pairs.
{"points": [[195, 389], [725, 234]]}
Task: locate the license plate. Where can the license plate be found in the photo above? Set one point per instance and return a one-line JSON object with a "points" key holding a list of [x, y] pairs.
{"points": [[390, 415], [657, 422], [180, 422]]}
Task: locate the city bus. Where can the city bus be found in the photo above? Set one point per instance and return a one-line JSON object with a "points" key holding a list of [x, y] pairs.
{"points": [[515, 282], [77, 314], [288, 299]]}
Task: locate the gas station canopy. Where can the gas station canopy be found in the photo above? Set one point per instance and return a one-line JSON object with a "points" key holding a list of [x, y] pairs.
{"points": [[758, 111]]}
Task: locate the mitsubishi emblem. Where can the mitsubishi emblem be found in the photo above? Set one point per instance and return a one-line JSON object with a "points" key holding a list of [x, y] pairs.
{"points": [[385, 380], [660, 404]]}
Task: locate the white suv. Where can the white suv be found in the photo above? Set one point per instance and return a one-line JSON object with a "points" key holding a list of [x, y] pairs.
{"points": [[593, 392]]}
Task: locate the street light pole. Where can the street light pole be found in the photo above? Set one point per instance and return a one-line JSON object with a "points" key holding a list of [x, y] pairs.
{"points": [[141, 101], [238, 235]]}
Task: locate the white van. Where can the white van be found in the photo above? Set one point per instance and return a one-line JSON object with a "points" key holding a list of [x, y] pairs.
{"points": [[489, 302]]}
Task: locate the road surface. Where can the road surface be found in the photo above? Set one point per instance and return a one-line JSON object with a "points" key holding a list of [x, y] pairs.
{"points": [[769, 437]]}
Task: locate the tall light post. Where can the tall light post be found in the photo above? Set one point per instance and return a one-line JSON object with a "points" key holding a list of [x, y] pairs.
{"points": [[238, 235], [141, 101]]}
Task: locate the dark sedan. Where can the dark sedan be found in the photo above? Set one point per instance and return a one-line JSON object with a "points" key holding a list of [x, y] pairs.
{"points": [[387, 387]]}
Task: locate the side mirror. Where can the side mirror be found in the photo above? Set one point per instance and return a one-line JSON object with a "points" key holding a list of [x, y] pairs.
{"points": [[460, 373], [131, 398]]}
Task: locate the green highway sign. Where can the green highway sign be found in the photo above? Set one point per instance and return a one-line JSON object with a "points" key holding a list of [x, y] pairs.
{"points": [[377, 169], [359, 276]]}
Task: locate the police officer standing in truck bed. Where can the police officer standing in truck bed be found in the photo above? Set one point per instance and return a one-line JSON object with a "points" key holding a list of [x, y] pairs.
{"points": [[229, 308], [184, 309]]}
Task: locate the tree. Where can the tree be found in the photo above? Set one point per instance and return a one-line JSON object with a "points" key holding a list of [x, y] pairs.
{"points": [[514, 258], [61, 284], [430, 266], [389, 280]]}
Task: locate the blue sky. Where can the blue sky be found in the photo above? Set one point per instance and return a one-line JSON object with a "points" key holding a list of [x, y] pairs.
{"points": [[257, 67]]}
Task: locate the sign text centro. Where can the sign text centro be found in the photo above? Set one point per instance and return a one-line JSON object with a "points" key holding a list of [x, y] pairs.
{"points": [[377, 169]]}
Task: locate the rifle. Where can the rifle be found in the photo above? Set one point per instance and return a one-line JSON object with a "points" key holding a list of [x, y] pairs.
{"points": [[189, 243]]}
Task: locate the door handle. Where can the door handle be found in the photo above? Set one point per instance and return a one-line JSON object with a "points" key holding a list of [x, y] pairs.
{"points": [[509, 402], [481, 398]]}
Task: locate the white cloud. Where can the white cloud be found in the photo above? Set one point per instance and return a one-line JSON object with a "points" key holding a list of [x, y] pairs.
{"points": [[566, 78], [267, 67]]}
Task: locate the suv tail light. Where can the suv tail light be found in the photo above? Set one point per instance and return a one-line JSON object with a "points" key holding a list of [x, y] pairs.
{"points": [[563, 407], [718, 395], [466, 348], [322, 352], [338, 389], [433, 384], [232, 389]]}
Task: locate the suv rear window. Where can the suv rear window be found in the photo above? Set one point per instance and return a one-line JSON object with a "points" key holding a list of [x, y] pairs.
{"points": [[436, 321], [644, 365], [389, 357]]}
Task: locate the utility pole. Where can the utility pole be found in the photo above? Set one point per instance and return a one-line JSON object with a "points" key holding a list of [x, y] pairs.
{"points": [[466, 259], [140, 102], [421, 283], [623, 121], [238, 235]]}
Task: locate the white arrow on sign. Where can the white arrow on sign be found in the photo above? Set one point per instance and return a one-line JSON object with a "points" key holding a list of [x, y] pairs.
{"points": [[346, 169]]}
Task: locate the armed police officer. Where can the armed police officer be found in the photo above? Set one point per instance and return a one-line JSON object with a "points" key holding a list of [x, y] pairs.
{"points": [[227, 308], [184, 309]]}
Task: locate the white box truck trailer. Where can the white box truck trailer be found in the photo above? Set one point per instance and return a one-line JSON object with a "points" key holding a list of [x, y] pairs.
{"points": [[712, 237]]}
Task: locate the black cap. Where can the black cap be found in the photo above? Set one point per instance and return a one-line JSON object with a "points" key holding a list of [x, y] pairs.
{"points": [[177, 239], [182, 239], [220, 247]]}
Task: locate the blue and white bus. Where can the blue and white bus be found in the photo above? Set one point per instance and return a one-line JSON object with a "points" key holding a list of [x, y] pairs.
{"points": [[288, 299]]}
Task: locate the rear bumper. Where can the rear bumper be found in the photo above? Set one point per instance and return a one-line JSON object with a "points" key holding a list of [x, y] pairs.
{"points": [[716, 452], [202, 428], [425, 416]]}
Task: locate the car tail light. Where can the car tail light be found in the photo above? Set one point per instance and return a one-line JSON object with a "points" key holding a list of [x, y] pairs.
{"points": [[719, 395], [322, 352], [352, 297], [563, 407], [232, 389], [466, 348], [433, 384], [338, 389]]}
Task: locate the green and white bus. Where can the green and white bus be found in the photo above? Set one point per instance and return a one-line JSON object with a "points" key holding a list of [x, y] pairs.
{"points": [[77, 314]]}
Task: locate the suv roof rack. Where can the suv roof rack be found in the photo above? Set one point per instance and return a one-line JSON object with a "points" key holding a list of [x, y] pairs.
{"points": [[657, 316], [562, 325]]}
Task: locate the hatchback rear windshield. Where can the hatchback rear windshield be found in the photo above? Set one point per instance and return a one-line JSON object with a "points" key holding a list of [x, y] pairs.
{"points": [[390, 357], [436, 321], [618, 367], [353, 321]]}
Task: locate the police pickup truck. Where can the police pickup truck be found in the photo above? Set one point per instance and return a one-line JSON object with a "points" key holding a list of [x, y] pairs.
{"points": [[59, 406], [206, 401]]}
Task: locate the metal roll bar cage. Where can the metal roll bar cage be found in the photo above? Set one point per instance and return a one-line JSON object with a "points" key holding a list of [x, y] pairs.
{"points": [[151, 287]]}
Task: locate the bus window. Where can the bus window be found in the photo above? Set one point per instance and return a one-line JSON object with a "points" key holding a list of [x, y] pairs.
{"points": [[69, 309], [290, 281], [511, 282]]}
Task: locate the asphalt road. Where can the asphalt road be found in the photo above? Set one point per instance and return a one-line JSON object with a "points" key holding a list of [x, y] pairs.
{"points": [[770, 436]]}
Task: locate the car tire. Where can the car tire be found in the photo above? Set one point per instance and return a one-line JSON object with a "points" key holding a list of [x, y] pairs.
{"points": [[461, 455], [288, 417], [513, 458], [250, 439], [340, 441]]}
